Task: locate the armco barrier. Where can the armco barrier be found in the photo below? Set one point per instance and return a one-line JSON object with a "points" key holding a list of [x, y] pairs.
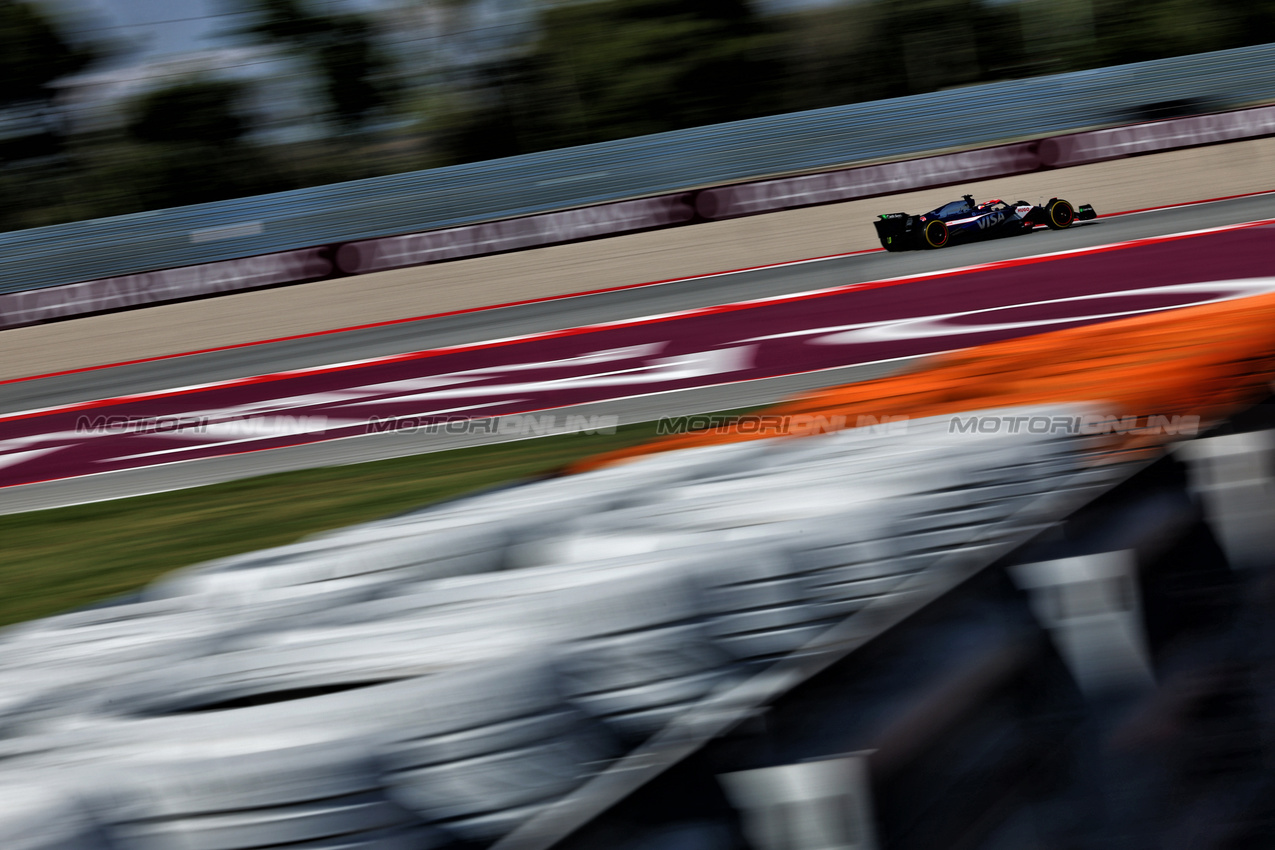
{"points": [[494, 237], [115, 293], [1056, 152], [810, 189], [721, 202], [327, 261], [1079, 148]]}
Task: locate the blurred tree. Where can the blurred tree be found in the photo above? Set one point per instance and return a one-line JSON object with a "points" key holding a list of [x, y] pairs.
{"points": [[192, 135], [1057, 35], [188, 173], [1254, 21], [356, 74], [611, 69], [284, 21], [33, 54], [354, 69], [200, 111], [1155, 29], [925, 45], [821, 45]]}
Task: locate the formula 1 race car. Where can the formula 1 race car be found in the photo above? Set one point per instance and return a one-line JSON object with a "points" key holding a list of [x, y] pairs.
{"points": [[964, 220]]}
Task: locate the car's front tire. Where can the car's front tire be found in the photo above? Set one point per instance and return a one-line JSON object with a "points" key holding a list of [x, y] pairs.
{"points": [[1059, 214]]}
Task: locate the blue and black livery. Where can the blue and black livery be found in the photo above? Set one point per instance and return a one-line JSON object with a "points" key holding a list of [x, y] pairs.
{"points": [[965, 219]]}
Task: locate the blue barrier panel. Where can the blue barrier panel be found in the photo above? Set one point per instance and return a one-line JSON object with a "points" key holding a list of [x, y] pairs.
{"points": [[627, 168]]}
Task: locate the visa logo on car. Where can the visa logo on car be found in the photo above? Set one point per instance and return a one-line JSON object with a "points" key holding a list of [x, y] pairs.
{"points": [[989, 221]]}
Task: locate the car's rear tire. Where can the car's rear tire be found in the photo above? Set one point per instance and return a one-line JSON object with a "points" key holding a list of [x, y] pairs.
{"points": [[1059, 215], [934, 234]]}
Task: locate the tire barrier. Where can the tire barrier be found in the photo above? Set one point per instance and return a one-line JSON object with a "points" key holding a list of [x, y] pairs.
{"points": [[256, 792], [411, 556], [37, 817], [50, 667], [404, 683], [350, 691], [457, 671]]}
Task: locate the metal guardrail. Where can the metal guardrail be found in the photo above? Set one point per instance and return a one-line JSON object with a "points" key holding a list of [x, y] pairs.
{"points": [[647, 165]]}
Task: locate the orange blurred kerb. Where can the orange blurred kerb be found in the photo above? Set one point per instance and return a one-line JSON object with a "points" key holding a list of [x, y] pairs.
{"points": [[1205, 361]]}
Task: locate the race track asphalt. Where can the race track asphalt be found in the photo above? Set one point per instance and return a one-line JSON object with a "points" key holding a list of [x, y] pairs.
{"points": [[608, 306]]}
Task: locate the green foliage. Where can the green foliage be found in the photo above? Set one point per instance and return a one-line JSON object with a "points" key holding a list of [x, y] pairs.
{"points": [[1154, 29], [354, 70], [892, 48], [33, 54], [1254, 20], [355, 73], [191, 139], [284, 21], [197, 111], [611, 69]]}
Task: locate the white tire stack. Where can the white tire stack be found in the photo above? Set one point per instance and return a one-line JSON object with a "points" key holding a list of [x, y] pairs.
{"points": [[39, 815], [489, 748], [271, 789]]}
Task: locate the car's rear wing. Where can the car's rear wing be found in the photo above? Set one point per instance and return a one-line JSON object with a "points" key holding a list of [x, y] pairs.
{"points": [[895, 231]]}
